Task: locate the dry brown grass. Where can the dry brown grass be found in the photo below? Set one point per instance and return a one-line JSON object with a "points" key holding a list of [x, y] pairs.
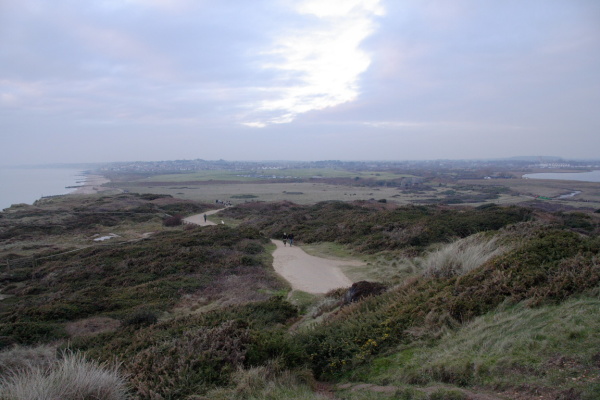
{"points": [[71, 378], [462, 256], [19, 358]]}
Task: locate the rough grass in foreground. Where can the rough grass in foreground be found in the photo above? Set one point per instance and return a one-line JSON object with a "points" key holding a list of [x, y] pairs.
{"points": [[71, 378]]}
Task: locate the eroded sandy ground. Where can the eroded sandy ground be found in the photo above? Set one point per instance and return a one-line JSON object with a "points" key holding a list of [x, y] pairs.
{"points": [[309, 273]]}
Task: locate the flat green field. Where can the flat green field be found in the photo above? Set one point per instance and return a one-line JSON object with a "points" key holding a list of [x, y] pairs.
{"points": [[300, 193], [252, 175]]}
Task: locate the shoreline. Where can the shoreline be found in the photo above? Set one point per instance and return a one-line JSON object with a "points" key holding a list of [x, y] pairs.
{"points": [[93, 184]]}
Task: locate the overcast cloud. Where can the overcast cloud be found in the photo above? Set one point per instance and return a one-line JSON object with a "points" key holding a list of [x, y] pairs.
{"points": [[125, 80]]}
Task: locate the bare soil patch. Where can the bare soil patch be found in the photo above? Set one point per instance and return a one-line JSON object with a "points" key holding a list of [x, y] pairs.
{"points": [[309, 273]]}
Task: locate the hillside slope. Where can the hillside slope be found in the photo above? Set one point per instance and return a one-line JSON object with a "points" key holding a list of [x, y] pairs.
{"points": [[198, 312]]}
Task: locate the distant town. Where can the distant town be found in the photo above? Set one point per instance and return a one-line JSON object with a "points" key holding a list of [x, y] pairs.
{"points": [[484, 168]]}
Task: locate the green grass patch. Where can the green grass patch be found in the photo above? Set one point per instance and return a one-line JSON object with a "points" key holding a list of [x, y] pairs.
{"points": [[552, 346], [302, 300]]}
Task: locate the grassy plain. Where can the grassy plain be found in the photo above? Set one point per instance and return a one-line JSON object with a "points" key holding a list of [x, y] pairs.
{"points": [[297, 192], [310, 186]]}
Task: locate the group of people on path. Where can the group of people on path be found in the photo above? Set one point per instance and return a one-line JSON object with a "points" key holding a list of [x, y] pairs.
{"points": [[289, 237]]}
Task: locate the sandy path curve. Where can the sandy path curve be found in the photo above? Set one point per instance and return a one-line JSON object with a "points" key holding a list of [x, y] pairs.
{"points": [[198, 219], [304, 272], [309, 273]]}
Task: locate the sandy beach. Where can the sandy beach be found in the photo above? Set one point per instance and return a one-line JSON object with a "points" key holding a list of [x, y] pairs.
{"points": [[93, 184]]}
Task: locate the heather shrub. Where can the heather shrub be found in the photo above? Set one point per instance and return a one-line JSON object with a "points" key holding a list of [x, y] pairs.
{"points": [[141, 318], [118, 281], [71, 378], [174, 220], [191, 363]]}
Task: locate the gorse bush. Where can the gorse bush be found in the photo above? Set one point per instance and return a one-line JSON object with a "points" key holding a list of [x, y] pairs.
{"points": [[73, 377]]}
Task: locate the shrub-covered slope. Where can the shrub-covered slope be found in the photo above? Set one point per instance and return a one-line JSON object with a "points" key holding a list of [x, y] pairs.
{"points": [[200, 311], [372, 227]]}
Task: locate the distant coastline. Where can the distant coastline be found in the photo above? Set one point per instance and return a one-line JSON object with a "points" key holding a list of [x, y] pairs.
{"points": [[27, 185], [93, 184]]}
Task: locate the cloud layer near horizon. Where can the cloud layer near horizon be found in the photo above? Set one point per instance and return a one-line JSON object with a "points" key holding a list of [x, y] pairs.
{"points": [[110, 80]]}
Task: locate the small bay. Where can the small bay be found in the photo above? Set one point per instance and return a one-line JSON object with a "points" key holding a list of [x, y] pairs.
{"points": [[26, 185], [591, 176]]}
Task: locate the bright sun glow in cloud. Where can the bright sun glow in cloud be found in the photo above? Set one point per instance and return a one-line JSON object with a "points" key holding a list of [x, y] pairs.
{"points": [[323, 64]]}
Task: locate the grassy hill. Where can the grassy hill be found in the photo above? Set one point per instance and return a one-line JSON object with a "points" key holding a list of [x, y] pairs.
{"points": [[491, 301]]}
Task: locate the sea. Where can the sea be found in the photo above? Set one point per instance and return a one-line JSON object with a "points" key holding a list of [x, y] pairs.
{"points": [[592, 176], [26, 185]]}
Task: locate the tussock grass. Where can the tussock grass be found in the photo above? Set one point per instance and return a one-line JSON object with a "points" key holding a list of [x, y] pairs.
{"points": [[462, 256], [71, 378], [19, 358]]}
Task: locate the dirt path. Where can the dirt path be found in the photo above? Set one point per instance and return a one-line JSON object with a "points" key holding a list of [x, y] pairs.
{"points": [[309, 273], [198, 219], [304, 272]]}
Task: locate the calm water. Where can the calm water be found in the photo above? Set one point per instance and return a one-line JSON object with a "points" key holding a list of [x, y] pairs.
{"points": [[592, 176], [26, 185]]}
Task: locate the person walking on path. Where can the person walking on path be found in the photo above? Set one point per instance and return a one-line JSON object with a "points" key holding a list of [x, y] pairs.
{"points": [[284, 239], [204, 218], [291, 239]]}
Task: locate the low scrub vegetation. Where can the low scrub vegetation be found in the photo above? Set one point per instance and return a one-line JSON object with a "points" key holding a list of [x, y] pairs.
{"points": [[372, 227], [196, 313]]}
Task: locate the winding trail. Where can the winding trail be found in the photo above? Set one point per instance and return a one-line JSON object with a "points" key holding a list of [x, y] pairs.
{"points": [[304, 272]]}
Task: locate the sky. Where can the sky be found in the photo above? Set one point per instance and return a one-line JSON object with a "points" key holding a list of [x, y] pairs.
{"points": [[144, 80]]}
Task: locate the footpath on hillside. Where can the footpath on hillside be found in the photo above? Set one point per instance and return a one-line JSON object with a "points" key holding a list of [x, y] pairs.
{"points": [[304, 272], [198, 219]]}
